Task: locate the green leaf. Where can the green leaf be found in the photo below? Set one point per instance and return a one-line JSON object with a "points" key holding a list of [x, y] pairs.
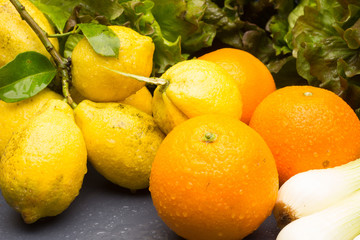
{"points": [[241, 24], [286, 74], [138, 15], [25, 76], [352, 35], [278, 26], [70, 44], [184, 18], [102, 39], [352, 96], [54, 12], [58, 11], [107, 8], [227, 22], [326, 40]]}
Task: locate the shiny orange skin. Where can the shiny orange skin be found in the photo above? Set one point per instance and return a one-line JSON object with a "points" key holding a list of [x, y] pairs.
{"points": [[253, 78], [307, 128], [220, 189]]}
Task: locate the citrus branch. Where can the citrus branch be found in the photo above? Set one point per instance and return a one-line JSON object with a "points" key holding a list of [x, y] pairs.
{"points": [[59, 35], [61, 63]]}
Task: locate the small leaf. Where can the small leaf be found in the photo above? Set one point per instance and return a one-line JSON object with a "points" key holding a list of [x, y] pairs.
{"points": [[70, 44], [56, 14], [25, 76], [102, 39]]}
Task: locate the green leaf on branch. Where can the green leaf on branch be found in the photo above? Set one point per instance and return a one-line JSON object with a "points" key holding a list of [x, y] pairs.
{"points": [[71, 43], [59, 11], [102, 39], [56, 14], [25, 76]]}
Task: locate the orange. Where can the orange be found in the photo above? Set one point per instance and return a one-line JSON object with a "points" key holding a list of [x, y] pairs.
{"points": [[213, 177], [307, 128], [253, 78]]}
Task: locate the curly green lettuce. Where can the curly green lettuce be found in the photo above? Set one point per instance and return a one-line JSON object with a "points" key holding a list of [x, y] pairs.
{"points": [[326, 43], [323, 36]]}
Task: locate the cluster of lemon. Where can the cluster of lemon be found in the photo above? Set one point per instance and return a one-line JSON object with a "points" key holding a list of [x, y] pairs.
{"points": [[119, 126], [211, 175]]}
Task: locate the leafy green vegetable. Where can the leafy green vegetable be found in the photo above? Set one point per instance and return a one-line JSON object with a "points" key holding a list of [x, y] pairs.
{"points": [[182, 28], [241, 24], [179, 28], [25, 76], [324, 38], [102, 39], [138, 15], [326, 44], [59, 11], [314, 42], [184, 18]]}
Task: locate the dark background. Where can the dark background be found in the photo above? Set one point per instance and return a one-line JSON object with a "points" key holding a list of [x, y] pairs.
{"points": [[103, 211]]}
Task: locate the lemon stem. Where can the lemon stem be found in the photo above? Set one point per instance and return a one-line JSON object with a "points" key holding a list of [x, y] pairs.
{"points": [[155, 81], [209, 137], [61, 63]]}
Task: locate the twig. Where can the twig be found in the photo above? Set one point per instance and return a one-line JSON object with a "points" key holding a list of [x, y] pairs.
{"points": [[58, 35], [61, 63]]}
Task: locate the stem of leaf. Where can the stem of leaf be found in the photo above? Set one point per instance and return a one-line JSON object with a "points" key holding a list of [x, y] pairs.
{"points": [[59, 35], [155, 81], [61, 63]]}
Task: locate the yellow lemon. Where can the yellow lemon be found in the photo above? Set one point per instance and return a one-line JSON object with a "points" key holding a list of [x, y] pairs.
{"points": [[141, 99], [16, 36], [44, 163], [253, 78], [90, 73], [121, 141], [196, 87], [13, 115]]}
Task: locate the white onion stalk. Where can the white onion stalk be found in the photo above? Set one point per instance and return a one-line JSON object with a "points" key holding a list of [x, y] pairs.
{"points": [[314, 190], [357, 238], [340, 221]]}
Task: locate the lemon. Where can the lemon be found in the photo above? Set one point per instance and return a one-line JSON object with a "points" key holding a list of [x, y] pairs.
{"points": [[196, 87], [44, 163], [13, 115], [16, 36], [95, 82], [121, 141], [141, 99]]}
